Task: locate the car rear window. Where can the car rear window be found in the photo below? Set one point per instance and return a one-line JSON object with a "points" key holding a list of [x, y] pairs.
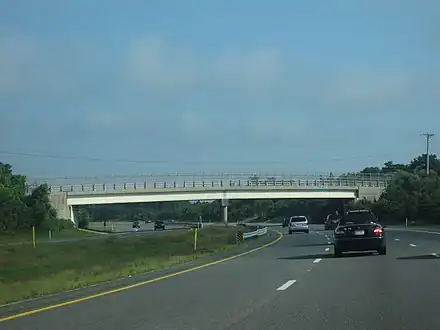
{"points": [[298, 219], [357, 218]]}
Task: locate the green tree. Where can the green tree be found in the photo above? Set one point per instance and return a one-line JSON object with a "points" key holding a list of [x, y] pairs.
{"points": [[83, 218], [19, 210]]}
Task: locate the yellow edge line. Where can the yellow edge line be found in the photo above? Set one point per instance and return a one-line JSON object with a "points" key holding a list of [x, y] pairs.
{"points": [[101, 294]]}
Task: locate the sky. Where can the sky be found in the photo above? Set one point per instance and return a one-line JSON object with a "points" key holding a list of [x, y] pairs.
{"points": [[91, 88]]}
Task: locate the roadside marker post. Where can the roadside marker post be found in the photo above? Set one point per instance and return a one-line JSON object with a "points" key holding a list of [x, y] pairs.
{"points": [[196, 232], [33, 236]]}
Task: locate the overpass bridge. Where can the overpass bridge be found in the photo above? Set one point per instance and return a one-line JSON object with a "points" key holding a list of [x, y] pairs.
{"points": [[188, 187]]}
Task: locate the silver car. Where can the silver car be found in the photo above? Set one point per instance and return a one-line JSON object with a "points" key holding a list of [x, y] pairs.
{"points": [[298, 224]]}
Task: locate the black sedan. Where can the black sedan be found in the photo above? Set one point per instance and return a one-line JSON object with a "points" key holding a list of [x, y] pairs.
{"points": [[359, 230], [159, 225]]}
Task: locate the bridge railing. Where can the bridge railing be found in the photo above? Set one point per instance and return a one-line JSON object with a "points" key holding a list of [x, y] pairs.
{"points": [[221, 181]]}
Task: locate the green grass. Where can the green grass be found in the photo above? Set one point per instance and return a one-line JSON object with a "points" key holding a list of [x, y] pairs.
{"points": [[26, 272], [41, 236]]}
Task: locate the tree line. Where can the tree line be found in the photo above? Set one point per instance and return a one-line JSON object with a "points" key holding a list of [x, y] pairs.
{"points": [[21, 210], [410, 193]]}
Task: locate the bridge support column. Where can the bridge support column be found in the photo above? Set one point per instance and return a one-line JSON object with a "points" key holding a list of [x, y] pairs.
{"points": [[72, 216], [342, 206], [225, 203]]}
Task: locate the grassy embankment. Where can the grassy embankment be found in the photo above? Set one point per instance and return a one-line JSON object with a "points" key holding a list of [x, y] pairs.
{"points": [[26, 272]]}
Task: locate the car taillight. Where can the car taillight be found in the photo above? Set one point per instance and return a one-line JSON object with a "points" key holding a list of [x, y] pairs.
{"points": [[378, 230]]}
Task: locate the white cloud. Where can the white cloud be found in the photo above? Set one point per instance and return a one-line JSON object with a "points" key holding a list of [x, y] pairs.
{"points": [[32, 68], [156, 66], [258, 71], [192, 120], [367, 87], [163, 71], [160, 68]]}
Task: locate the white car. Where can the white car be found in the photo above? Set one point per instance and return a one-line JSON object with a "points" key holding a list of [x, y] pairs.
{"points": [[298, 224]]}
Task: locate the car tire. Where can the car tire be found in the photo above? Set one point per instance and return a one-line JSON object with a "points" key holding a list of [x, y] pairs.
{"points": [[382, 251], [337, 253]]}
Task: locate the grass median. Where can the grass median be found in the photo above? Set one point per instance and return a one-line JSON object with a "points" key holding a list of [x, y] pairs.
{"points": [[25, 236], [26, 272]]}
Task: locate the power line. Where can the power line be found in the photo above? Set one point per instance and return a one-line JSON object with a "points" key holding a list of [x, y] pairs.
{"points": [[428, 137], [198, 162], [137, 161]]}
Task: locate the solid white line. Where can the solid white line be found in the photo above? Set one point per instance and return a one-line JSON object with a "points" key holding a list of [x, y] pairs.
{"points": [[286, 285], [317, 260], [327, 249], [416, 231], [412, 245]]}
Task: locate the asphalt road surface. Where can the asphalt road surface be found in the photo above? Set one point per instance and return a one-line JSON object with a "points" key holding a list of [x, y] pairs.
{"points": [[293, 284]]}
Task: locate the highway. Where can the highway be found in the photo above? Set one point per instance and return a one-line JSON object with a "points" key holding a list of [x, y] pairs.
{"points": [[293, 284]]}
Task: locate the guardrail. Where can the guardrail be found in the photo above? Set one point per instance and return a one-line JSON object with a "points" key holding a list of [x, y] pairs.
{"points": [[282, 180], [258, 232]]}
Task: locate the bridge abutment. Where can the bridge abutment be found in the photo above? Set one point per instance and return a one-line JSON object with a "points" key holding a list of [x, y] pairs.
{"points": [[370, 193], [58, 201]]}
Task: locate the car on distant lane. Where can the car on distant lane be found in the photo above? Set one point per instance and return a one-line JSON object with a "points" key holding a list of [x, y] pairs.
{"points": [[359, 230], [159, 225], [298, 223]]}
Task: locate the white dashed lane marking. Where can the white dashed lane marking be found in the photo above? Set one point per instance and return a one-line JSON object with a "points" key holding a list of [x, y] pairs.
{"points": [[317, 260], [286, 285], [412, 245], [397, 239], [327, 249], [437, 255]]}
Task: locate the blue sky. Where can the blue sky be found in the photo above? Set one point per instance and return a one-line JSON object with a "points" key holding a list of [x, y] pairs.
{"points": [[196, 85]]}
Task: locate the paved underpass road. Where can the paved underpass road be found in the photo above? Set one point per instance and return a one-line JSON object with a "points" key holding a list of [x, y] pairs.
{"points": [[294, 284], [126, 226]]}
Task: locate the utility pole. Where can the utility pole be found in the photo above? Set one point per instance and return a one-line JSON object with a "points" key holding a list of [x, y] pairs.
{"points": [[428, 137]]}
